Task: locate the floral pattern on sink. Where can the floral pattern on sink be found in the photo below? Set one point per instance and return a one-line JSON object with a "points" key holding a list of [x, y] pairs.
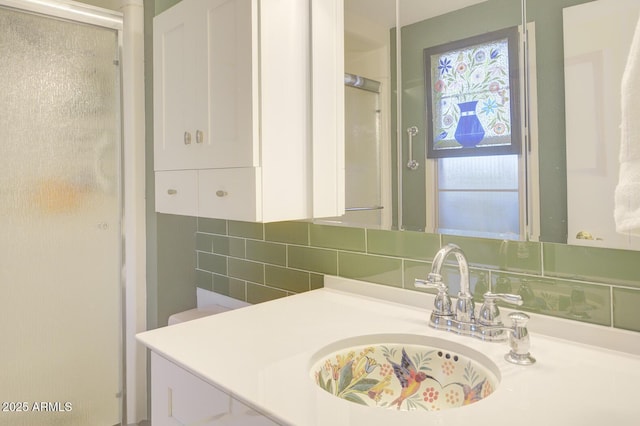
{"points": [[404, 377]]}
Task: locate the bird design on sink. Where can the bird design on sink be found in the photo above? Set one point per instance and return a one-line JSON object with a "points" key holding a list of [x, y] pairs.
{"points": [[404, 377], [409, 377]]}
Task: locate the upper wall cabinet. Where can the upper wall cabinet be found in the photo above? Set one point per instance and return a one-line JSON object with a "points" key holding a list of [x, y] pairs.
{"points": [[248, 109]]}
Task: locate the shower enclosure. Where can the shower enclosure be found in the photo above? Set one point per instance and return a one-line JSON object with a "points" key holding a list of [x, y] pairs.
{"points": [[61, 356], [364, 152]]}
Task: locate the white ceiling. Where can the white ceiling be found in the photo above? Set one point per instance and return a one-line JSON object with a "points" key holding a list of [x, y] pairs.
{"points": [[384, 11]]}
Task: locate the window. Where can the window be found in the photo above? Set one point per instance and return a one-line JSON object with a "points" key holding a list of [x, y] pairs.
{"points": [[472, 96], [479, 196], [472, 89]]}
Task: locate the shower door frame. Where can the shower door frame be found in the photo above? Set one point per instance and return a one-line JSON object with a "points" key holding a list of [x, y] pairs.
{"points": [[86, 14]]}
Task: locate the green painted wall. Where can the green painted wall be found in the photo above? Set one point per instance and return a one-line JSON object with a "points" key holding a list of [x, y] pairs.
{"points": [[171, 258]]}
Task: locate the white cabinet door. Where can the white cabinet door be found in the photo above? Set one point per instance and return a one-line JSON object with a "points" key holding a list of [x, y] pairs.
{"points": [[173, 88], [229, 99], [180, 398], [205, 87], [243, 415]]}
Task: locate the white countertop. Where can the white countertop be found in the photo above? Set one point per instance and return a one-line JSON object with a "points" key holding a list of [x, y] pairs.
{"points": [[262, 354]]}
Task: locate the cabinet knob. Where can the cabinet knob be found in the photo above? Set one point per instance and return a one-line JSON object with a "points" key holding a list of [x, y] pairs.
{"points": [[199, 136], [221, 193], [187, 138], [172, 191]]}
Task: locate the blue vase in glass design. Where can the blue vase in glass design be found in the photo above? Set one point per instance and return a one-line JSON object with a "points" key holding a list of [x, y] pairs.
{"points": [[469, 131]]}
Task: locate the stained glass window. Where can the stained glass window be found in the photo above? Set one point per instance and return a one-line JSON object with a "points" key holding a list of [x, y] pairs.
{"points": [[472, 96]]}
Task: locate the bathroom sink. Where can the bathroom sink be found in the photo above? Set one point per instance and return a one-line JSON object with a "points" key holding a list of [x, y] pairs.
{"points": [[404, 372]]}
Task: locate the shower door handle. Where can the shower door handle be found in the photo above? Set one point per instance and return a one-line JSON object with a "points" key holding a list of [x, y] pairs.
{"points": [[412, 164]]}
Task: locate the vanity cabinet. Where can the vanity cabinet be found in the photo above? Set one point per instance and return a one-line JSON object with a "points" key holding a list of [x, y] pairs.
{"points": [[248, 109], [180, 398]]}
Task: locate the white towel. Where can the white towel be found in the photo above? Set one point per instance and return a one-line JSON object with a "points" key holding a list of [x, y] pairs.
{"points": [[627, 195]]}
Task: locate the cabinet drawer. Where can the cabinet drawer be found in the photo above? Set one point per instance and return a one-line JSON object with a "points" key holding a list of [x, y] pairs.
{"points": [[179, 397], [177, 192], [230, 194]]}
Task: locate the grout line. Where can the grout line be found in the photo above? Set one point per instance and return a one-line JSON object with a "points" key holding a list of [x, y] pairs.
{"points": [[542, 270], [612, 306], [366, 241]]}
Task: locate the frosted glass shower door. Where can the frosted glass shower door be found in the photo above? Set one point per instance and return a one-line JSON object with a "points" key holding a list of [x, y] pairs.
{"points": [[362, 157], [60, 214]]}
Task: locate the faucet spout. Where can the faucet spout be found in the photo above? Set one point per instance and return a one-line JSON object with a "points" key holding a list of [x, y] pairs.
{"points": [[464, 305], [438, 262]]}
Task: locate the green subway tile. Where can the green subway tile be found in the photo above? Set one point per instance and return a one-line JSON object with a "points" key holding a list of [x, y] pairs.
{"points": [[287, 279], [212, 263], [258, 293], [212, 226], [410, 245], [273, 253], [230, 287], [376, 269], [413, 270], [204, 242], [559, 298], [625, 308], [287, 232], [229, 246], [246, 229], [337, 237], [313, 259], [220, 284], [237, 247], [245, 270], [221, 245], [204, 279], [505, 255], [317, 281], [609, 266]]}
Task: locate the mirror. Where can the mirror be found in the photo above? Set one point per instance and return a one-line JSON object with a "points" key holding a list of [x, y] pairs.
{"points": [[544, 215], [580, 57]]}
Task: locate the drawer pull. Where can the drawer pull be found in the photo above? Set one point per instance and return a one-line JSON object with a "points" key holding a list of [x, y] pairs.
{"points": [[172, 191], [199, 136], [187, 138], [221, 193]]}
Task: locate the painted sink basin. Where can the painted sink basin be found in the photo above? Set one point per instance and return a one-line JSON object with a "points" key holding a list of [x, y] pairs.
{"points": [[404, 372]]}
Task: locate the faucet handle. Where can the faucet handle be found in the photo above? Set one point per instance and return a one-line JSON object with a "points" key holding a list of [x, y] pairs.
{"points": [[442, 302], [519, 340], [431, 282], [489, 313]]}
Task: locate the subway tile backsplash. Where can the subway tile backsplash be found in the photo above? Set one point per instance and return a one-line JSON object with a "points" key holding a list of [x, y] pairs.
{"points": [[260, 262]]}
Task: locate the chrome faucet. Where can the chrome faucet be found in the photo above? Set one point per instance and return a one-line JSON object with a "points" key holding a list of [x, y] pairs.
{"points": [[463, 321], [464, 314]]}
